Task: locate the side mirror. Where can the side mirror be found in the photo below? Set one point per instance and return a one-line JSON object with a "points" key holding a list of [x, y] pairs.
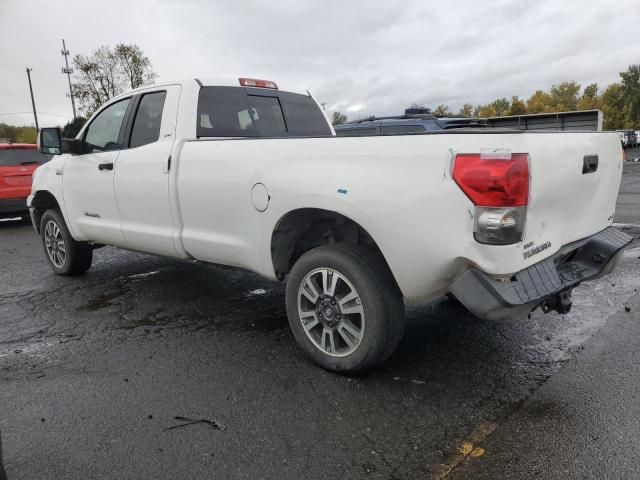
{"points": [[50, 141]]}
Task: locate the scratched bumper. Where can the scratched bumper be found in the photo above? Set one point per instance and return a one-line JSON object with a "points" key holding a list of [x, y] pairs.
{"points": [[492, 299]]}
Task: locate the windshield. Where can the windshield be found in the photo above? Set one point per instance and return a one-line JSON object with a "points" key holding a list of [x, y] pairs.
{"points": [[12, 157]]}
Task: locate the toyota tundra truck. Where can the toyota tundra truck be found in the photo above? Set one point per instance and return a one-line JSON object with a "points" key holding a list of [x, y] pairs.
{"points": [[245, 174]]}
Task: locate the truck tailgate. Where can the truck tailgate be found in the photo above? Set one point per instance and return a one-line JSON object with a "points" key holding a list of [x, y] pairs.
{"points": [[573, 188]]}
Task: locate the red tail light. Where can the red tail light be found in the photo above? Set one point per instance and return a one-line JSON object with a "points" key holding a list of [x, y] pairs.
{"points": [[493, 181], [254, 82]]}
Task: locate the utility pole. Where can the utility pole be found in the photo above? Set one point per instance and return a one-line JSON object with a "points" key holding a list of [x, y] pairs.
{"points": [[68, 71], [33, 102]]}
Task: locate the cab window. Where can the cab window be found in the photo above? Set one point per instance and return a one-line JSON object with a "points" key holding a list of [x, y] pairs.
{"points": [[146, 126], [240, 112], [103, 132]]}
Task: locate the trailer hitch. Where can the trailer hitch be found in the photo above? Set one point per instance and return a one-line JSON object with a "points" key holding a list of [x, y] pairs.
{"points": [[561, 302]]}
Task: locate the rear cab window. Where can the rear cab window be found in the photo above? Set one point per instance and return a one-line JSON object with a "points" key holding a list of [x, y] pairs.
{"points": [[253, 112], [14, 157]]}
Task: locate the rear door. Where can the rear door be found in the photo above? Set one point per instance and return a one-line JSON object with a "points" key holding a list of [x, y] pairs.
{"points": [[88, 189], [142, 172]]}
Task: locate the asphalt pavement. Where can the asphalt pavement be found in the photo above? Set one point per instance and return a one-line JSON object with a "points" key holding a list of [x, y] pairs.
{"points": [[582, 423], [108, 375]]}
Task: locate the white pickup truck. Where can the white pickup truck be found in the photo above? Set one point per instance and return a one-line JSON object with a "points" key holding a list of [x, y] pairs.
{"points": [[248, 175]]}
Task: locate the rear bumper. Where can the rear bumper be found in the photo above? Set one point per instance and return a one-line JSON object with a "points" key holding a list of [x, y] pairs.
{"points": [[13, 206], [545, 283]]}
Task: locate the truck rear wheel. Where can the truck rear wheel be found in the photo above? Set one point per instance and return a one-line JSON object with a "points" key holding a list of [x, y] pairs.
{"points": [[65, 255], [344, 307]]}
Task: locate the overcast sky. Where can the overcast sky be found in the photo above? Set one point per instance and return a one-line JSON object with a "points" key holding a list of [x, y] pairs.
{"points": [[360, 57]]}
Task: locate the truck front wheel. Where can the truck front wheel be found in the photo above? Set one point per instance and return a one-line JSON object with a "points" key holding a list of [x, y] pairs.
{"points": [[65, 255], [344, 307]]}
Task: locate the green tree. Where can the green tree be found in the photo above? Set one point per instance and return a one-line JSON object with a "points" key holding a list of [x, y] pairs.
{"points": [[442, 111], [518, 107], [27, 135], [540, 102], [631, 93], [109, 72], [13, 134], [501, 106], [466, 110], [8, 132], [564, 97], [590, 99], [338, 118], [71, 129], [486, 111], [613, 107]]}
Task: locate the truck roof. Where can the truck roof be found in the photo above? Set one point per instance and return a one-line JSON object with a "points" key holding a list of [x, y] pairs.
{"points": [[211, 82]]}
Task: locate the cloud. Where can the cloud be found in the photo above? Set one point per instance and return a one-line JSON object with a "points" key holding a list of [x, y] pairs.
{"points": [[362, 57]]}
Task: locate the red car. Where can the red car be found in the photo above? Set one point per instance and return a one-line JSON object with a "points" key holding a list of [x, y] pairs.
{"points": [[17, 163]]}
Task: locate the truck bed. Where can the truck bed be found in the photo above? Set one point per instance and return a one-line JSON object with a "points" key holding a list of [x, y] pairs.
{"points": [[395, 184]]}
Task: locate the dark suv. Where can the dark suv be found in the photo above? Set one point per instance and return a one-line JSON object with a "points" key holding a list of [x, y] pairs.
{"points": [[414, 120]]}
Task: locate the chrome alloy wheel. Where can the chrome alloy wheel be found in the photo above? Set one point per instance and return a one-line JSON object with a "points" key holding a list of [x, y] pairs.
{"points": [[54, 243], [331, 312]]}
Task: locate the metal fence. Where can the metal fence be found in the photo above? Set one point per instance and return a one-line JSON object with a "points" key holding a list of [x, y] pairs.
{"points": [[590, 120]]}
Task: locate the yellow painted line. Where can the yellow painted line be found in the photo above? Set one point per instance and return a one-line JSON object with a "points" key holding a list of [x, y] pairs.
{"points": [[466, 450], [477, 452]]}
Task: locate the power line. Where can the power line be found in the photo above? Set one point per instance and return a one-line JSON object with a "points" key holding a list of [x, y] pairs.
{"points": [[39, 111], [55, 114]]}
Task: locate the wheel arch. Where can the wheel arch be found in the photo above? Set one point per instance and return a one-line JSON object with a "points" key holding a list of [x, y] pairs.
{"points": [[42, 201], [302, 229]]}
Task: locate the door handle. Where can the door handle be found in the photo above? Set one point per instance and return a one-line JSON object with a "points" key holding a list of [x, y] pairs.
{"points": [[589, 164], [105, 166]]}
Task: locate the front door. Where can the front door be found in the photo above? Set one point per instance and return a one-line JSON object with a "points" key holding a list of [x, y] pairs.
{"points": [[88, 189]]}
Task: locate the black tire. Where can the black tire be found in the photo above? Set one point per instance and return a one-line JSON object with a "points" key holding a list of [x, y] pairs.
{"points": [[380, 299], [452, 298], [78, 255]]}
